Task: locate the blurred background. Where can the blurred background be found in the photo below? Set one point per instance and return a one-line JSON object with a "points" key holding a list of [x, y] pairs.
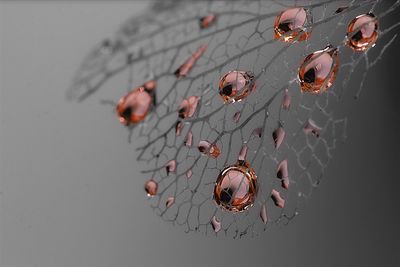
{"points": [[66, 201]]}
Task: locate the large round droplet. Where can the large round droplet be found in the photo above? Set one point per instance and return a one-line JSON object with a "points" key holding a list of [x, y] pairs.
{"points": [[318, 70], [236, 187], [133, 107], [362, 32], [290, 25], [236, 85]]}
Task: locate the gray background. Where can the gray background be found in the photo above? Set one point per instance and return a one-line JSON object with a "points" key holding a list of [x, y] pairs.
{"points": [[67, 201]]}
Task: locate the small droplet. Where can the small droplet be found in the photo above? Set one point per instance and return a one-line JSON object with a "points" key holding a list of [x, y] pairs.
{"points": [[151, 188], [243, 154], [291, 25], [169, 202], [133, 107], [341, 9], [278, 135], [236, 85], [362, 32], [278, 200], [236, 116], [207, 148], [257, 132], [312, 128], [188, 139], [189, 173], [188, 107], [184, 69], [283, 173], [287, 99], [170, 166], [216, 224], [207, 21], [236, 187], [178, 128], [263, 214], [318, 70]]}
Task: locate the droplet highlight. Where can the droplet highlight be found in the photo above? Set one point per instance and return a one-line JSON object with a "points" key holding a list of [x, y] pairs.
{"points": [[236, 85]]}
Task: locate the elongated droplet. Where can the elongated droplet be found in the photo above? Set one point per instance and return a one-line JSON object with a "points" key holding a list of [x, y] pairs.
{"points": [[312, 128], [216, 224], [189, 173], [188, 107], [318, 70], [133, 107], [184, 69], [188, 139], [362, 32], [207, 148], [178, 128], [170, 166], [236, 116], [263, 214], [291, 25], [341, 9], [169, 202], [283, 173], [236, 85], [207, 21], [287, 99], [278, 135], [151, 188], [242, 154], [278, 200], [236, 187]]}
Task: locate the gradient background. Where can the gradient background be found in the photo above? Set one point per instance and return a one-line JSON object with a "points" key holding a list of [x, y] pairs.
{"points": [[66, 201]]}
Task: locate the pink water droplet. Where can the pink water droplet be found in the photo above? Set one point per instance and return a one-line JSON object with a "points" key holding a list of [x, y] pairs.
{"points": [[236, 116], [188, 107], [258, 132], [169, 202], [312, 128], [236, 85], [188, 139], [263, 214], [243, 153], [170, 166], [151, 188], [207, 21], [207, 148], [278, 200], [189, 173], [287, 99], [278, 135], [178, 127], [216, 224], [184, 69]]}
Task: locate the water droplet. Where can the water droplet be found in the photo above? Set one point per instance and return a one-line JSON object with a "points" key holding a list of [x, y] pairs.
{"points": [[318, 70], [257, 132], [151, 188], [236, 187], [207, 21], [184, 69], [263, 214], [290, 25], [207, 148], [178, 127], [283, 173], [312, 128], [362, 32], [188, 139], [169, 202], [170, 166], [243, 154], [236, 116], [189, 173], [278, 135], [216, 224], [236, 85], [341, 9], [278, 200], [133, 107], [287, 99], [188, 107]]}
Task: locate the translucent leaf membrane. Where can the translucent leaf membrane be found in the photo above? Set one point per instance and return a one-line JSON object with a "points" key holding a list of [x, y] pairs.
{"points": [[289, 136]]}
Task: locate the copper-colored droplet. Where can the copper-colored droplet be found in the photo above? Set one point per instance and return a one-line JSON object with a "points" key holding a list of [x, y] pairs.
{"points": [[207, 21], [207, 148], [133, 107], [189, 173], [318, 70], [169, 202], [283, 173], [188, 139], [263, 214], [150, 85], [291, 25], [178, 128], [216, 224], [362, 32], [188, 107], [278, 200], [287, 99], [236, 85], [312, 128], [236, 187], [151, 188], [236, 116], [184, 69], [278, 135], [170, 166]]}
